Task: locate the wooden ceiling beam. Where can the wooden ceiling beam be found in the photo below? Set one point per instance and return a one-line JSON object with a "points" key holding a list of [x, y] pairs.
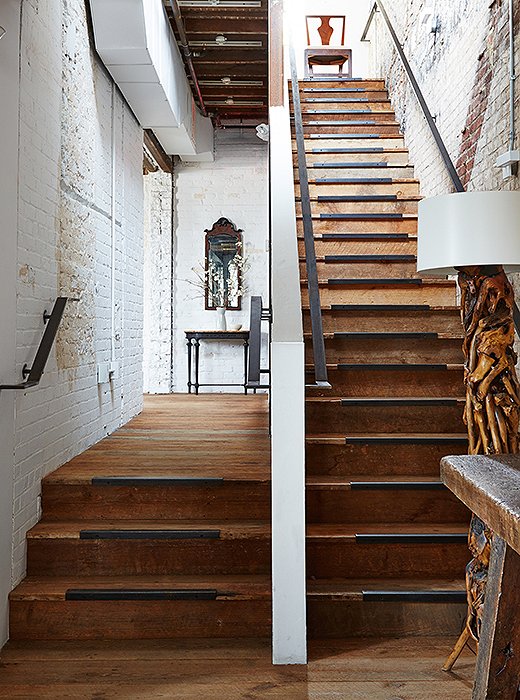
{"points": [[157, 152]]}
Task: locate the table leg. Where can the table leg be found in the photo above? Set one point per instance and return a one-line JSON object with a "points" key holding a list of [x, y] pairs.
{"points": [[197, 349], [498, 660], [188, 343], [246, 354]]}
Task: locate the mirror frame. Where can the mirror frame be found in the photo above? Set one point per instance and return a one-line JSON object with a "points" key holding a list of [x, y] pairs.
{"points": [[220, 227]]}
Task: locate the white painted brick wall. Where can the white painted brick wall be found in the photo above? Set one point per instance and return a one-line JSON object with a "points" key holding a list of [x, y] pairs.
{"points": [[157, 366], [445, 66], [65, 249], [234, 186]]}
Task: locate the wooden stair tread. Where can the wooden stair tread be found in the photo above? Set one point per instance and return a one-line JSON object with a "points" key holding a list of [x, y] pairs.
{"points": [[389, 400], [144, 466], [382, 366], [245, 587], [417, 281], [402, 308], [353, 589], [340, 438], [327, 481], [71, 529], [349, 531]]}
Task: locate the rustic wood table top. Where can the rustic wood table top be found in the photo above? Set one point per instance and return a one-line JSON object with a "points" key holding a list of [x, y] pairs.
{"points": [[490, 487]]}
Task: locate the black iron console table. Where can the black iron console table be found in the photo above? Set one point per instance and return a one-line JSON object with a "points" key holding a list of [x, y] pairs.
{"points": [[193, 339]]}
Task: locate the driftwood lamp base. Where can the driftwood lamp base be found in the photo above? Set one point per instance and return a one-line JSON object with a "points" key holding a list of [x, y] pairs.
{"points": [[492, 408]]}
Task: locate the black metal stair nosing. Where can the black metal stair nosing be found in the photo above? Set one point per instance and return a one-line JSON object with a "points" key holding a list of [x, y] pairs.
{"points": [[360, 217], [341, 89], [411, 538], [335, 79], [397, 486], [341, 111], [345, 367], [136, 481], [368, 164], [380, 307], [389, 335], [367, 236], [346, 100], [411, 281], [349, 150], [106, 534], [404, 401], [352, 181], [403, 440], [357, 198], [369, 258], [145, 595], [344, 136], [415, 596], [350, 122]]}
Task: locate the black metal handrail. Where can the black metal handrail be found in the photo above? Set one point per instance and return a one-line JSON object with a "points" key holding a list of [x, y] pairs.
{"points": [[457, 182], [318, 341], [254, 371], [33, 374]]}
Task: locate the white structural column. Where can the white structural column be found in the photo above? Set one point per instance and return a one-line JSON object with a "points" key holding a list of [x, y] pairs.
{"points": [[287, 384], [9, 80]]}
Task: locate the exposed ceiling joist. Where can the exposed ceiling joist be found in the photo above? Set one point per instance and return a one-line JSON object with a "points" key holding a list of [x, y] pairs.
{"points": [[228, 43]]}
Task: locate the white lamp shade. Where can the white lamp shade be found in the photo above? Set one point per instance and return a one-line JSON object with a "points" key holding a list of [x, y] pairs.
{"points": [[468, 229]]}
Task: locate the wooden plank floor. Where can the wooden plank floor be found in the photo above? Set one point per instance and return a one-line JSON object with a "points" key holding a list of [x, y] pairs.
{"points": [[373, 669], [220, 435]]}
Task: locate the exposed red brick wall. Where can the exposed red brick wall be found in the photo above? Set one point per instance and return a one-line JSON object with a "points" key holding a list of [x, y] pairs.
{"points": [[497, 33]]}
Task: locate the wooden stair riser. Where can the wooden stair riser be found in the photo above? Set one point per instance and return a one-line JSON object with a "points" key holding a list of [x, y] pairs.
{"points": [[82, 620], [328, 619], [378, 459], [327, 270], [402, 206], [229, 501], [393, 350], [446, 322], [390, 172], [353, 115], [386, 506], [428, 294], [402, 190], [408, 226], [395, 157], [376, 246], [63, 556], [344, 103], [379, 129], [346, 558], [380, 418], [392, 382], [323, 82]]}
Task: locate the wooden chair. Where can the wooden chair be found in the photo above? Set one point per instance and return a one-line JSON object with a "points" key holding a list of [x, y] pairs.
{"points": [[325, 55]]}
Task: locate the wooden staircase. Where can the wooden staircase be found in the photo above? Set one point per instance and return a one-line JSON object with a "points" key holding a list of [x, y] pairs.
{"points": [[161, 530], [386, 542]]}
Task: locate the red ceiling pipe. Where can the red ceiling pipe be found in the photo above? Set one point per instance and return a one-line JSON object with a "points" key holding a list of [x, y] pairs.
{"points": [[187, 53]]}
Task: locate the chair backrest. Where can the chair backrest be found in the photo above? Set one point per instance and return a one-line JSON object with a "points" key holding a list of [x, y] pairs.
{"points": [[323, 30]]}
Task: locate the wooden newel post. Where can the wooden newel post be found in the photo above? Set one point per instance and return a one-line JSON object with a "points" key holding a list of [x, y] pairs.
{"points": [[492, 408]]}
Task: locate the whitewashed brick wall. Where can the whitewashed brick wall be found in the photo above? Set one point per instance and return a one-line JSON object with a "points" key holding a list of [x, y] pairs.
{"points": [[233, 186], [446, 65], [158, 242], [463, 71], [65, 249]]}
